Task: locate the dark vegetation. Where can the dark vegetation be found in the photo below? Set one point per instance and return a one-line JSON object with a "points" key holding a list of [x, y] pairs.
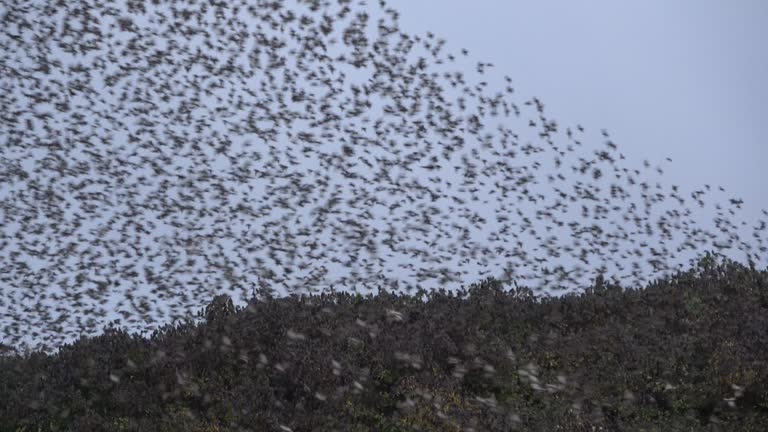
{"points": [[684, 353]]}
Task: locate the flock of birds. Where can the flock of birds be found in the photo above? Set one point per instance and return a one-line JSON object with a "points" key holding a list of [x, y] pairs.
{"points": [[157, 153]]}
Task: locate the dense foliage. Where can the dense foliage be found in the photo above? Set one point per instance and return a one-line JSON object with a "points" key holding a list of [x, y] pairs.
{"points": [[684, 353]]}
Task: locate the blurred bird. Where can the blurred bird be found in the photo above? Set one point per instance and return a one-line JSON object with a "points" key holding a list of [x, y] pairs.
{"points": [[156, 155]]}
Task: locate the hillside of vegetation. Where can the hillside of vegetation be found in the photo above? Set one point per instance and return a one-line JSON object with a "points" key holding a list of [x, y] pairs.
{"points": [[684, 353]]}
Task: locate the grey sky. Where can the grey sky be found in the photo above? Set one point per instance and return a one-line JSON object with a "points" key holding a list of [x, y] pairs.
{"points": [[664, 81], [679, 79]]}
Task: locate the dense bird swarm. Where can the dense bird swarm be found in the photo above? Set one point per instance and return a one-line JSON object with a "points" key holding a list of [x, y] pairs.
{"points": [[157, 153]]}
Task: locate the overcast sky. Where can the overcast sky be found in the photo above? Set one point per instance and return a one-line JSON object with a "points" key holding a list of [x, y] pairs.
{"points": [[681, 80], [684, 79]]}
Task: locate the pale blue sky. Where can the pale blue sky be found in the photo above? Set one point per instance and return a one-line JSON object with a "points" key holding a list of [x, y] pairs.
{"points": [[679, 79], [682, 80]]}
